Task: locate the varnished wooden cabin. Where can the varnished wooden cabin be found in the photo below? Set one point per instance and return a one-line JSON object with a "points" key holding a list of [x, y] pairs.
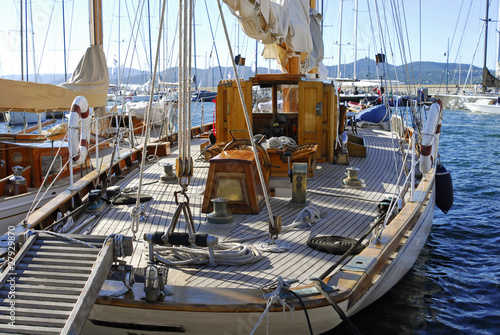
{"points": [[312, 121]]}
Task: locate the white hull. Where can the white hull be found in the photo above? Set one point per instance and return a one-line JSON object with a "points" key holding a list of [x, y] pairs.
{"points": [[14, 208], [15, 118], [403, 262], [459, 101], [483, 108]]}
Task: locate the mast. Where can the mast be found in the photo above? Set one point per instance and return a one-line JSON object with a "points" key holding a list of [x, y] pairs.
{"points": [[26, 35], [64, 42], [21, 39], [95, 22], [339, 72], [118, 72], [486, 39], [195, 78], [355, 38], [150, 48], [498, 46]]}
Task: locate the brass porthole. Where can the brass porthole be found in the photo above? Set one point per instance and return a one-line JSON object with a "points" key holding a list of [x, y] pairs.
{"points": [[17, 157]]}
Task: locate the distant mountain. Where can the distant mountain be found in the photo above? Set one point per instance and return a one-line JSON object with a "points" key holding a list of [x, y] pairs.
{"points": [[432, 74]]}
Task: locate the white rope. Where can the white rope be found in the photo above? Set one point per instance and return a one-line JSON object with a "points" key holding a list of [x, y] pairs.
{"points": [[70, 238], [119, 252], [274, 299], [279, 142], [225, 254]]}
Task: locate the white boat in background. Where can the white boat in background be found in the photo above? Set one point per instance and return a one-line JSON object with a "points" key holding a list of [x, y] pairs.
{"points": [[484, 106], [459, 101]]}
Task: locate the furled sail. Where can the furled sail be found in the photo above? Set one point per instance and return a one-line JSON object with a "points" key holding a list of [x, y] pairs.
{"points": [[90, 79], [283, 26], [489, 80]]}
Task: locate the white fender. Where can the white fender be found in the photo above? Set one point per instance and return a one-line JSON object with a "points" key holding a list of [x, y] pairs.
{"points": [[78, 145], [432, 128]]}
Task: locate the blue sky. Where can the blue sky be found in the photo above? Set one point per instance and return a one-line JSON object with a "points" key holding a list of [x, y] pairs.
{"points": [[439, 24]]}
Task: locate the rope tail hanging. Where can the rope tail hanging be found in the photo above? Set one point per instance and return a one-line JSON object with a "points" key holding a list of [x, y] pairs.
{"points": [[134, 213]]}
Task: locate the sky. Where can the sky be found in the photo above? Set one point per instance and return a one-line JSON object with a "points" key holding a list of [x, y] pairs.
{"points": [[453, 24]]}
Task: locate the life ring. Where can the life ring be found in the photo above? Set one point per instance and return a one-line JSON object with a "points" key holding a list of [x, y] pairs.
{"points": [[432, 128], [78, 145]]}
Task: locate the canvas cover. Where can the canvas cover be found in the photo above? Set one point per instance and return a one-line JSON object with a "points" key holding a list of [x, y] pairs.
{"points": [[489, 80], [90, 79], [277, 22]]}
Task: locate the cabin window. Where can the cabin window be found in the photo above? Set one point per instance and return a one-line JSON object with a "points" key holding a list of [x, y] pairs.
{"points": [[47, 160], [280, 119]]}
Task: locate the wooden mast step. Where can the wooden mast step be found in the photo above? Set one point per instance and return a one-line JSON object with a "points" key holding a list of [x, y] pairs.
{"points": [[52, 283]]}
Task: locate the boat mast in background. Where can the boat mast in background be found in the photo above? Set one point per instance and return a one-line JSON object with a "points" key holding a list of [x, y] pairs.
{"points": [[485, 40], [21, 30], [339, 73], [355, 38], [498, 45], [64, 42]]}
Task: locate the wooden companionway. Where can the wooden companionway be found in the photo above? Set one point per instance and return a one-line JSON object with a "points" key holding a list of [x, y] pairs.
{"points": [[52, 283]]}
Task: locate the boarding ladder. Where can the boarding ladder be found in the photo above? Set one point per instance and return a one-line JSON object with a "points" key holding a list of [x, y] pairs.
{"points": [[53, 283]]}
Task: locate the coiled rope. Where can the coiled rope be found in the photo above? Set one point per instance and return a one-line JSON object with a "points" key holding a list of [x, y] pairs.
{"points": [[119, 252], [279, 142], [225, 254]]}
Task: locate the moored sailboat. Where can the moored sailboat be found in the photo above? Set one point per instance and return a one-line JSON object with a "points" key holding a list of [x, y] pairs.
{"points": [[269, 220]]}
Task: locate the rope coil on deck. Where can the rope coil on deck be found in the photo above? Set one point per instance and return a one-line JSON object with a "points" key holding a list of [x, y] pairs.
{"points": [[278, 142], [225, 254]]}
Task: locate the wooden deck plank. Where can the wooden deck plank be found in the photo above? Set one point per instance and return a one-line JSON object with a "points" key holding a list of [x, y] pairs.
{"points": [[347, 212]]}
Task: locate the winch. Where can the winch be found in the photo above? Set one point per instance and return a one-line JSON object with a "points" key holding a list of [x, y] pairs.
{"points": [[352, 178], [220, 215], [169, 176]]}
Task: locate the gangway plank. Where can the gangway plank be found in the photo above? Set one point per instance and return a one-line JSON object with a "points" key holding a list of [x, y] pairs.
{"points": [[40, 296]]}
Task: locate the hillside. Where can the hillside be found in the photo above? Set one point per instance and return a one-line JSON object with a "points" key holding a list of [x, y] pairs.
{"points": [[433, 73]]}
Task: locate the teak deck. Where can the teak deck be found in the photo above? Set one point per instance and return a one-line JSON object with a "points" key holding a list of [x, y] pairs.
{"points": [[344, 211]]}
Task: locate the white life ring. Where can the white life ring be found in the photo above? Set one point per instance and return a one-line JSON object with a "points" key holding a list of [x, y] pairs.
{"points": [[78, 145], [432, 128]]}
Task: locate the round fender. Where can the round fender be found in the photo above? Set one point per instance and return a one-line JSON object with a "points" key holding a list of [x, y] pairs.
{"points": [[79, 136]]}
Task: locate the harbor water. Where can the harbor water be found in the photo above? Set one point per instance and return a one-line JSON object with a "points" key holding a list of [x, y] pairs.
{"points": [[454, 288]]}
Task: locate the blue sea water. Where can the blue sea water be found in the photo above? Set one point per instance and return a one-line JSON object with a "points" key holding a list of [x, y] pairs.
{"points": [[454, 288]]}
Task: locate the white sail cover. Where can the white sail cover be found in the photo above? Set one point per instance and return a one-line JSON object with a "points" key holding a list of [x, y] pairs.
{"points": [[274, 22], [90, 79]]}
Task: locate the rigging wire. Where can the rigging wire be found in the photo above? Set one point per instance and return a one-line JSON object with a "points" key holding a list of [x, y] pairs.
{"points": [[245, 113], [135, 213]]}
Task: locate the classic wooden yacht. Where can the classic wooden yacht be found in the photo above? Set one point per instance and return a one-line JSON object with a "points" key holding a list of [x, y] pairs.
{"points": [[294, 229]]}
